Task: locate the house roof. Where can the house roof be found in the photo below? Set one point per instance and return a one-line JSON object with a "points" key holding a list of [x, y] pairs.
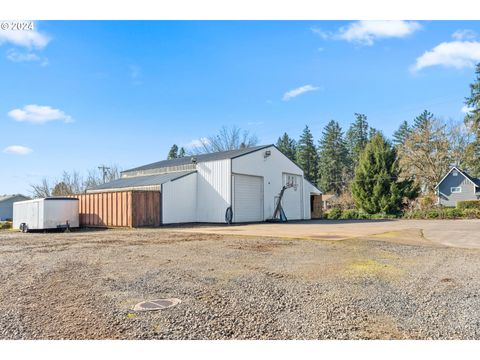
{"points": [[473, 180], [139, 181], [8, 197], [221, 155]]}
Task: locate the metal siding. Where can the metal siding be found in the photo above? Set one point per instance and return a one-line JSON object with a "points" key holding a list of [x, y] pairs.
{"points": [[179, 203], [449, 199], [292, 201], [213, 190], [271, 169]]}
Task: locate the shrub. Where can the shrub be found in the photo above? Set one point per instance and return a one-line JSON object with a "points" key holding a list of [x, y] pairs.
{"points": [[471, 213], [468, 204], [432, 214], [363, 215], [5, 224], [334, 214], [452, 213], [427, 202], [349, 214]]}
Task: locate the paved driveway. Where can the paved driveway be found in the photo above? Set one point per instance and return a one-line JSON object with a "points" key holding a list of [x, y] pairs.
{"points": [[456, 233]]}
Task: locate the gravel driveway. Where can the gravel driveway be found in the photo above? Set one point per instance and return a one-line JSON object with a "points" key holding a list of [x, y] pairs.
{"points": [[83, 285]]}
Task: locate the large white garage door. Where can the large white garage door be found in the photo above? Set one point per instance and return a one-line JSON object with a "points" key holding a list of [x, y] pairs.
{"points": [[247, 198]]}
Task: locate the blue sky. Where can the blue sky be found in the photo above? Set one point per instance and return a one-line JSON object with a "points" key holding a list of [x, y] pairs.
{"points": [[77, 94]]}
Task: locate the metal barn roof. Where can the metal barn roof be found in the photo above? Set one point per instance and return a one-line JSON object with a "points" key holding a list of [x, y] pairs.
{"points": [[141, 181], [221, 155]]}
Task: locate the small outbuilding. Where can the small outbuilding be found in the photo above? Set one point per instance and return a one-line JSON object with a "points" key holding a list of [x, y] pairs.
{"points": [[6, 205], [237, 186]]}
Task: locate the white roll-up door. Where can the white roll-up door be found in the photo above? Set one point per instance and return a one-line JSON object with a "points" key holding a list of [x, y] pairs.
{"points": [[247, 198]]}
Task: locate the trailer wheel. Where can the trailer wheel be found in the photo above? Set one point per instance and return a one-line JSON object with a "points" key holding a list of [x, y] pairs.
{"points": [[24, 227]]}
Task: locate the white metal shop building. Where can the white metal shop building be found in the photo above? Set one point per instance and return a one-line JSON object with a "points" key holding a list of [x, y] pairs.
{"points": [[204, 188]]}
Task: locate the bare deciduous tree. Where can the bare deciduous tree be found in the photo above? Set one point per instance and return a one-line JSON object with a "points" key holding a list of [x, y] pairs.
{"points": [[74, 183], [41, 190], [232, 138]]}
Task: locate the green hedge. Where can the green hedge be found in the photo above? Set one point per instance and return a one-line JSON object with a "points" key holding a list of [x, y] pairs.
{"points": [[468, 204], [443, 213], [353, 214], [436, 213]]}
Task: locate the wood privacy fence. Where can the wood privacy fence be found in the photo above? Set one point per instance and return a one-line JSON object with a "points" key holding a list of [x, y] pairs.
{"points": [[120, 209]]}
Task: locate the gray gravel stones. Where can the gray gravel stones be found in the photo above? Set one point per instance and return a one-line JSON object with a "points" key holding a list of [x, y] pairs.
{"points": [[84, 285]]}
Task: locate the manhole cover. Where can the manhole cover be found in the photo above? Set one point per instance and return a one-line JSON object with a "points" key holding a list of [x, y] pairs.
{"points": [[158, 304]]}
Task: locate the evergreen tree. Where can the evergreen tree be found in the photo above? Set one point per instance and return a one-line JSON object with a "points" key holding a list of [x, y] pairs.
{"points": [[287, 146], [332, 159], [472, 121], [376, 187], [181, 152], [173, 153], [401, 135], [357, 138], [307, 155], [423, 121]]}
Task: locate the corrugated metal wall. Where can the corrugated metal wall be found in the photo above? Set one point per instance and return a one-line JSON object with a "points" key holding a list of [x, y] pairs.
{"points": [[119, 209], [179, 200], [213, 190]]}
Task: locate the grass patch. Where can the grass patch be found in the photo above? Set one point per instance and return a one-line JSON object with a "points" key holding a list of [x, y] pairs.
{"points": [[371, 268]]}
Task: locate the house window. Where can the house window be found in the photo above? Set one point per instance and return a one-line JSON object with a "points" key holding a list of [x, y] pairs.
{"points": [[456, 190], [455, 173]]}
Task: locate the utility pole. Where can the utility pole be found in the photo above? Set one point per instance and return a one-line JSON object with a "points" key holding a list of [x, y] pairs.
{"points": [[104, 171]]}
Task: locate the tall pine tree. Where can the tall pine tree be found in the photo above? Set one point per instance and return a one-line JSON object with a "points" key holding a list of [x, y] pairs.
{"points": [[472, 121], [376, 187], [357, 138], [173, 153], [287, 146], [401, 135], [307, 157], [332, 159], [181, 152]]}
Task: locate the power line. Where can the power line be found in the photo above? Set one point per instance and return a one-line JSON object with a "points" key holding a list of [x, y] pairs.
{"points": [[105, 170]]}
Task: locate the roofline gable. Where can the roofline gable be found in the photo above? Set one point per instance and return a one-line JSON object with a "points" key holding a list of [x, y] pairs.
{"points": [[460, 171]]}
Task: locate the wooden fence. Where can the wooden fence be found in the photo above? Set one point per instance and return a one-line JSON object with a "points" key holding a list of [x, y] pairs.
{"points": [[120, 209]]}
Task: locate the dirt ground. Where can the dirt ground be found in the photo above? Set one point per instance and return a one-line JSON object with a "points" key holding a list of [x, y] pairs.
{"points": [[395, 284]]}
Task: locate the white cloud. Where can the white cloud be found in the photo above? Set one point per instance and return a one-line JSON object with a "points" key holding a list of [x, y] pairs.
{"points": [[464, 34], [298, 91], [466, 109], [365, 32], [457, 54], [17, 150], [16, 56], [25, 38], [37, 114]]}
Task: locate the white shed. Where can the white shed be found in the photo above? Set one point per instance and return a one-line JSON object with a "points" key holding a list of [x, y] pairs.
{"points": [[203, 188]]}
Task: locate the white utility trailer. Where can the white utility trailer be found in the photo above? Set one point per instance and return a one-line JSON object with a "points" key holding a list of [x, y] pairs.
{"points": [[46, 213]]}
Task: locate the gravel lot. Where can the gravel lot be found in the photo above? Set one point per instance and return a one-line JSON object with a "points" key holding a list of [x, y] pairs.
{"points": [[83, 285]]}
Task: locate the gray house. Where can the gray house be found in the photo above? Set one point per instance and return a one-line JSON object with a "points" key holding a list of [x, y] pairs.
{"points": [[6, 205], [456, 186]]}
